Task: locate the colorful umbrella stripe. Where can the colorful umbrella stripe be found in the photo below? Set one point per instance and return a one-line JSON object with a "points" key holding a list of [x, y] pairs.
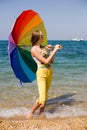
{"points": [[19, 46]]}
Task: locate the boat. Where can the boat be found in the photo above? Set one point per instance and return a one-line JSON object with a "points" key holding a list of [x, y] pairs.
{"points": [[77, 39]]}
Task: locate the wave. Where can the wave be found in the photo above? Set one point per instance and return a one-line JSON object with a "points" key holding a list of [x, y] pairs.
{"points": [[59, 111]]}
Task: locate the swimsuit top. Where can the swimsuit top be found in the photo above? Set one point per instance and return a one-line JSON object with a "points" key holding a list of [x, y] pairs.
{"points": [[44, 53]]}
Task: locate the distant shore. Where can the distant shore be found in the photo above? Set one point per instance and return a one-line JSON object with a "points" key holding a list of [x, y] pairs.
{"points": [[68, 123]]}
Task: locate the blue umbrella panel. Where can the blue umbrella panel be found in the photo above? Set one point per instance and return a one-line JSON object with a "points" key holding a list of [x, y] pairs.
{"points": [[23, 64]]}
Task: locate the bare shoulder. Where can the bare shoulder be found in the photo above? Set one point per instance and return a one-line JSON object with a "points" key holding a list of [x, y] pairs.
{"points": [[33, 50]]}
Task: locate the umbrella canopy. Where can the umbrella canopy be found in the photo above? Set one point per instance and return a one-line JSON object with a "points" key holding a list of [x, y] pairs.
{"points": [[19, 45]]}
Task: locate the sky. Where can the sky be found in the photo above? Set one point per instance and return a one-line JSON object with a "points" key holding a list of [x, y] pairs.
{"points": [[63, 19]]}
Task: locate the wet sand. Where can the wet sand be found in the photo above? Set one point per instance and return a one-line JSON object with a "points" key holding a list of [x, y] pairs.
{"points": [[69, 123]]}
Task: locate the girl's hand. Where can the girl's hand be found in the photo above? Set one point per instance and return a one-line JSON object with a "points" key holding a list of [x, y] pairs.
{"points": [[57, 47], [49, 47]]}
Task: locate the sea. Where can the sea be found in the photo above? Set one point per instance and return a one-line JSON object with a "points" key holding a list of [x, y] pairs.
{"points": [[68, 91]]}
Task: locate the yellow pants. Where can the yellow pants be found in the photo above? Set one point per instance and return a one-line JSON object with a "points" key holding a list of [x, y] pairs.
{"points": [[44, 78]]}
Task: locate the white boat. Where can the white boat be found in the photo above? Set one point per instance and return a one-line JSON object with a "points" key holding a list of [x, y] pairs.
{"points": [[77, 39]]}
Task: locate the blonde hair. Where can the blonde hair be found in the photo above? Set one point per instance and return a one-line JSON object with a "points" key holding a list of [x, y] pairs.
{"points": [[36, 35]]}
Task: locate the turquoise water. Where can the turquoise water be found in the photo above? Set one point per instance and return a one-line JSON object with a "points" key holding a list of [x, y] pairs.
{"points": [[68, 93]]}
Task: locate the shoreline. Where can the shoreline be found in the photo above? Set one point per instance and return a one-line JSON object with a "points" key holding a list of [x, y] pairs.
{"points": [[66, 123]]}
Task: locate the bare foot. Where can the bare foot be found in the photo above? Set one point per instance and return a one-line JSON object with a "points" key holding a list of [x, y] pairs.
{"points": [[29, 116], [42, 115]]}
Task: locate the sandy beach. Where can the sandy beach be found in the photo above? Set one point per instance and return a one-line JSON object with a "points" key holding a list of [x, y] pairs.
{"points": [[69, 123], [66, 108]]}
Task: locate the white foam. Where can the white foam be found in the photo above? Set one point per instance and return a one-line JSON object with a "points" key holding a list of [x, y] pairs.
{"points": [[6, 113], [67, 111], [60, 111]]}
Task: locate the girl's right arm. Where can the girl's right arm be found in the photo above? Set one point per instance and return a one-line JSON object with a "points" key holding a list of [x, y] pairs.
{"points": [[38, 56]]}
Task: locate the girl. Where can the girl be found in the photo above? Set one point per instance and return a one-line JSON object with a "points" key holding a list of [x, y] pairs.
{"points": [[44, 71]]}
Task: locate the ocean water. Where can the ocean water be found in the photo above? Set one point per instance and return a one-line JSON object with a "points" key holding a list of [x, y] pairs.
{"points": [[68, 92]]}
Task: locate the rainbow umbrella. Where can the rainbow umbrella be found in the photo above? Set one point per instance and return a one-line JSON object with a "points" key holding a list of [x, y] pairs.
{"points": [[19, 45]]}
